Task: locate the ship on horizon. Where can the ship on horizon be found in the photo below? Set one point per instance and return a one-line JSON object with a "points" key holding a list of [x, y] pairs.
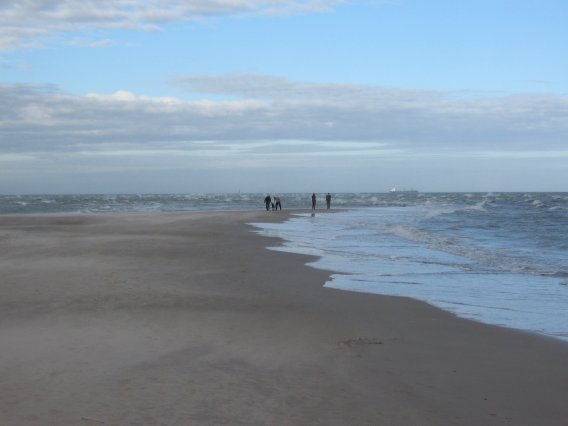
{"points": [[405, 191]]}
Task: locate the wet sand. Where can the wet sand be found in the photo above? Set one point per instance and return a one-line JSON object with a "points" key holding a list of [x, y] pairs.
{"points": [[186, 319]]}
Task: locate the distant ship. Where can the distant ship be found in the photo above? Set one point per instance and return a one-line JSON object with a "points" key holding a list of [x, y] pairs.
{"points": [[403, 191]]}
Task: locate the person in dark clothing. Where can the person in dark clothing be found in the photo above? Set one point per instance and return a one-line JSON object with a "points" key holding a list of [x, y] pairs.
{"points": [[328, 200], [313, 201], [267, 201]]}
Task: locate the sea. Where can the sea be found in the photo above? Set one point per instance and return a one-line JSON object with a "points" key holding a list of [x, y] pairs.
{"points": [[496, 258]]}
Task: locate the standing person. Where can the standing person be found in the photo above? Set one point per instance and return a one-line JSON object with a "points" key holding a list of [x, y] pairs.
{"points": [[328, 200], [313, 201], [267, 200], [277, 203]]}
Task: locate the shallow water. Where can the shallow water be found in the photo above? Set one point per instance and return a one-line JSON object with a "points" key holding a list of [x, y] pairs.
{"points": [[496, 258]]}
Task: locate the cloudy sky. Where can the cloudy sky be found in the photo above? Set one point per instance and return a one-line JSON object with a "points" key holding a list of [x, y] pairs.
{"points": [[164, 96]]}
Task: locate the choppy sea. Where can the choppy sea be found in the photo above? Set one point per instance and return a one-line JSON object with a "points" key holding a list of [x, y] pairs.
{"points": [[497, 258]]}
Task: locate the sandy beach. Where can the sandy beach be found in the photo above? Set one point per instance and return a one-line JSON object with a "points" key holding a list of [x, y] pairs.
{"points": [[187, 319]]}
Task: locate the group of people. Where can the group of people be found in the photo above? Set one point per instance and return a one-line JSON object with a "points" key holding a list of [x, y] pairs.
{"points": [[327, 201], [272, 201], [275, 203]]}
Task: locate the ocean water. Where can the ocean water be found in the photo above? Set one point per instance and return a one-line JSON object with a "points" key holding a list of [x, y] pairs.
{"points": [[496, 258], [499, 259], [124, 203]]}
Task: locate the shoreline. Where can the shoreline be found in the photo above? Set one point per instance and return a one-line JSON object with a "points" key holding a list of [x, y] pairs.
{"points": [[186, 318], [348, 278]]}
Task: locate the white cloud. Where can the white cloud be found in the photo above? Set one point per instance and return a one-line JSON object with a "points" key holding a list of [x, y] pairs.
{"points": [[274, 120], [94, 44], [24, 23], [13, 158]]}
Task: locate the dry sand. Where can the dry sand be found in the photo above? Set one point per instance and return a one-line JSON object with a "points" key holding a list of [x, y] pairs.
{"points": [[185, 319]]}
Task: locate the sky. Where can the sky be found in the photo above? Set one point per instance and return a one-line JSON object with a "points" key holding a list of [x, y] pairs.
{"points": [[185, 96]]}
